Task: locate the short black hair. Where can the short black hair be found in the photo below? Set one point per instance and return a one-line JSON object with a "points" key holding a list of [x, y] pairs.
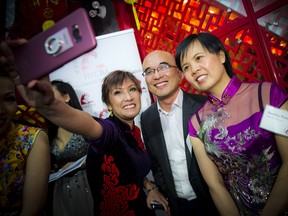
{"points": [[209, 42], [66, 88], [63, 88]]}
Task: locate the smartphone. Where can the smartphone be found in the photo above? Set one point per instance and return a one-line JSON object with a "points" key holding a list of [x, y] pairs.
{"points": [[69, 38], [157, 206]]}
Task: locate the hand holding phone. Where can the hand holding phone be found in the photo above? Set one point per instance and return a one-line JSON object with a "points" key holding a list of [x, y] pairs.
{"points": [[157, 206], [69, 38]]}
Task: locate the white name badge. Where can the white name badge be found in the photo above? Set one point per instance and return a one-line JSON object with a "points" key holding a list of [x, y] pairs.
{"points": [[275, 120]]}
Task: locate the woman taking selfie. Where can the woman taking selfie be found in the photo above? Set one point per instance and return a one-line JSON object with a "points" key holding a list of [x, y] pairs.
{"points": [[117, 162]]}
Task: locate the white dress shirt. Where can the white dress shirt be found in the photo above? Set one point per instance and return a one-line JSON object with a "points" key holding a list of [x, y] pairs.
{"points": [[173, 132]]}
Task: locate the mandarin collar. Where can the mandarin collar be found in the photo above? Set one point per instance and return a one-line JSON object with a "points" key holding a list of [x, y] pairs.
{"points": [[123, 125], [228, 93]]}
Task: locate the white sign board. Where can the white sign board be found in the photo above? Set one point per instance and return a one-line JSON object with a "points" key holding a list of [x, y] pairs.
{"points": [[115, 51]]}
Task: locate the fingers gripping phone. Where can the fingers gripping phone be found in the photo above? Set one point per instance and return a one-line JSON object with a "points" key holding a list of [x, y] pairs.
{"points": [[69, 38], [157, 206]]}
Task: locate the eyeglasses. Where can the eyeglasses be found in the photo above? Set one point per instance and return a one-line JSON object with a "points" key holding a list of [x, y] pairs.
{"points": [[161, 68]]}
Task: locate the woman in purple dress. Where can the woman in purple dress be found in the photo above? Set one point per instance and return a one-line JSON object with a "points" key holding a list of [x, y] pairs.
{"points": [[245, 166]]}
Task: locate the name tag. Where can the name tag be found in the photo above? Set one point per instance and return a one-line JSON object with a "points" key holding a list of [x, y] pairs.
{"points": [[275, 120]]}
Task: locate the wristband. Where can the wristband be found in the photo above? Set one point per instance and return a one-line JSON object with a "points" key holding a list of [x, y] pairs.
{"points": [[153, 188]]}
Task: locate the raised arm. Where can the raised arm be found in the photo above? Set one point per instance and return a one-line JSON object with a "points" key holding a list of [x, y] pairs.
{"points": [[278, 200], [220, 195], [39, 94]]}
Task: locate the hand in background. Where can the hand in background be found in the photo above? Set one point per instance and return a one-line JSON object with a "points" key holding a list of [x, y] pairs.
{"points": [[36, 93], [65, 166], [155, 195], [7, 59]]}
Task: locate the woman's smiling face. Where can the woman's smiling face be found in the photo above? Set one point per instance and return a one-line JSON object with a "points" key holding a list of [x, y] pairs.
{"points": [[204, 70], [125, 101]]}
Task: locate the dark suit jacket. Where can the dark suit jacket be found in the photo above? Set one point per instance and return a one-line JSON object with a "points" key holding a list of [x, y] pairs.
{"points": [[161, 170]]}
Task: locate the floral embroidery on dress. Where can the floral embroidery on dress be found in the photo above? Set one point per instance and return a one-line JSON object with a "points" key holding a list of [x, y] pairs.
{"points": [[14, 150], [114, 195], [260, 177], [246, 155], [211, 121], [217, 103], [136, 133]]}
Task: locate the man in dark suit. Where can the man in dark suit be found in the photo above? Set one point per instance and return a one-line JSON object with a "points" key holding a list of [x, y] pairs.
{"points": [[165, 129]]}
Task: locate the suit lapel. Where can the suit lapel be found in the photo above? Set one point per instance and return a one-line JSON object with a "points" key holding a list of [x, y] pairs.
{"points": [[186, 114], [188, 110], [157, 135]]}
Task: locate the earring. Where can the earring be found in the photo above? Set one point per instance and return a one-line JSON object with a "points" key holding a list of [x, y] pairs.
{"points": [[111, 112]]}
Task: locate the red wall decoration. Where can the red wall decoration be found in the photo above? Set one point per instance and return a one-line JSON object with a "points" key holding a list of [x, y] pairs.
{"points": [[254, 32]]}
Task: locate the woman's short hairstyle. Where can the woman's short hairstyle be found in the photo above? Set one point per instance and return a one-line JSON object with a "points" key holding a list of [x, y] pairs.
{"points": [[209, 42], [117, 78]]}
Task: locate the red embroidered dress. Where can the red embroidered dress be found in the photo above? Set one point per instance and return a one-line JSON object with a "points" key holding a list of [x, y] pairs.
{"points": [[116, 165]]}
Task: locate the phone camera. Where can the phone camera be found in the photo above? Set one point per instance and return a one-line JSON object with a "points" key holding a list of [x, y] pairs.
{"points": [[76, 33]]}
